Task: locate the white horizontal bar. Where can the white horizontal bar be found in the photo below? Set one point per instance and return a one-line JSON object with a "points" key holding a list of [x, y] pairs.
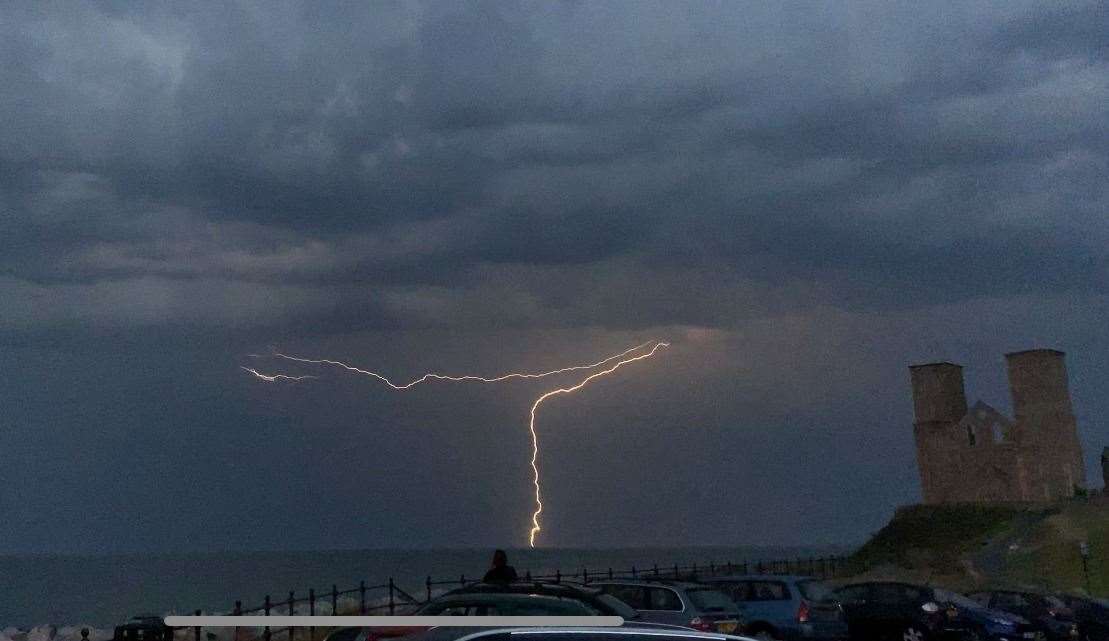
{"points": [[278, 621]]}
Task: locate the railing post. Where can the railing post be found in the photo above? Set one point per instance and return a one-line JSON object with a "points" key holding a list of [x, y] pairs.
{"points": [[292, 611], [362, 597], [675, 570], [462, 579], [266, 607], [712, 568], [585, 576], [558, 576], [312, 612], [392, 605], [334, 600], [694, 571], [656, 569], [610, 573], [635, 575], [428, 584], [238, 612], [196, 630]]}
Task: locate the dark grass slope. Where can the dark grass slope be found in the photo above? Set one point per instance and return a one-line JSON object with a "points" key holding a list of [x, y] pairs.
{"points": [[971, 546]]}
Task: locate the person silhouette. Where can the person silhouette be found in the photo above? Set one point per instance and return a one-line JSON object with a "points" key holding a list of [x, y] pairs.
{"points": [[501, 572]]}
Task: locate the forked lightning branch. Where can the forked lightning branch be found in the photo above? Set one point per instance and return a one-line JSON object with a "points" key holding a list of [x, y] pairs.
{"points": [[606, 367]]}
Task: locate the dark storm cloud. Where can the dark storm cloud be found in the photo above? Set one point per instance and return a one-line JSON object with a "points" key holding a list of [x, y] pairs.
{"points": [[293, 143], [809, 197]]}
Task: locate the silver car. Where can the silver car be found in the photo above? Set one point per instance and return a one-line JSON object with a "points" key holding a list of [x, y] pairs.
{"points": [[693, 605]]}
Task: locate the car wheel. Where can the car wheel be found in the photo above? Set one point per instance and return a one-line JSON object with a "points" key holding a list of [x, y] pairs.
{"points": [[764, 635], [913, 633]]}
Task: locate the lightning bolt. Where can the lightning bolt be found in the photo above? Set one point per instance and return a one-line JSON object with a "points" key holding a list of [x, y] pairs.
{"points": [[444, 377], [620, 362], [535, 529], [272, 378]]}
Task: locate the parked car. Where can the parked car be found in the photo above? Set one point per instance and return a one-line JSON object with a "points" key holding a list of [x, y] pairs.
{"points": [[147, 627], [594, 598], [697, 606], [1091, 615], [569, 634], [1053, 617], [789, 608], [499, 604], [906, 612], [509, 599]]}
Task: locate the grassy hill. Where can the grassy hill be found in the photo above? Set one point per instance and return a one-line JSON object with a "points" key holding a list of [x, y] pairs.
{"points": [[994, 545]]}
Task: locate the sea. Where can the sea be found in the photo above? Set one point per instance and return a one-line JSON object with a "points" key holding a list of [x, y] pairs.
{"points": [[101, 591]]}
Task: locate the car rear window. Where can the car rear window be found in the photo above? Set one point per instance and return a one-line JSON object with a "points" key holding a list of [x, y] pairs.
{"points": [[814, 590], [710, 600], [663, 599], [633, 595], [619, 608], [768, 591], [738, 590]]}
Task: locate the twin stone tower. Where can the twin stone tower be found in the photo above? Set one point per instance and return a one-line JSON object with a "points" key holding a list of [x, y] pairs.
{"points": [[977, 454]]}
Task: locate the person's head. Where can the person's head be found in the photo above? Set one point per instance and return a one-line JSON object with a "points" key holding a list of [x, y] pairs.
{"points": [[500, 559]]}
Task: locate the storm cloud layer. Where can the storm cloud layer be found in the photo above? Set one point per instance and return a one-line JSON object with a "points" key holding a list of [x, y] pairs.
{"points": [[805, 197]]}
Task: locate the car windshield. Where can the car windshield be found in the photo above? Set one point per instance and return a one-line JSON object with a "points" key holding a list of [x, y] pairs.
{"points": [[958, 600], [710, 600], [619, 608], [815, 590], [1053, 602]]}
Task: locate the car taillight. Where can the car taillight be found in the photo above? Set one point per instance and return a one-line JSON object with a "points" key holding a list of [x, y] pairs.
{"points": [[803, 612], [697, 623]]}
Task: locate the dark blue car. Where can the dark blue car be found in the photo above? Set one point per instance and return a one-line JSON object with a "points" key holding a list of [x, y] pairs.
{"points": [[893, 611], [790, 608], [992, 625]]}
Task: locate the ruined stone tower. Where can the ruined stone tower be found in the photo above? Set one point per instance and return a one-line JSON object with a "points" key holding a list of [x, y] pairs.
{"points": [[978, 454]]}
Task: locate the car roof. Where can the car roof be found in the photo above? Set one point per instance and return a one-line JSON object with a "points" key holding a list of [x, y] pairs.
{"points": [[901, 583], [670, 583], [522, 586], [789, 578], [691, 634], [492, 597]]}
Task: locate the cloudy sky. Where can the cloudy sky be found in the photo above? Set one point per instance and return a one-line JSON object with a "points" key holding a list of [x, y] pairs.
{"points": [[805, 198]]}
